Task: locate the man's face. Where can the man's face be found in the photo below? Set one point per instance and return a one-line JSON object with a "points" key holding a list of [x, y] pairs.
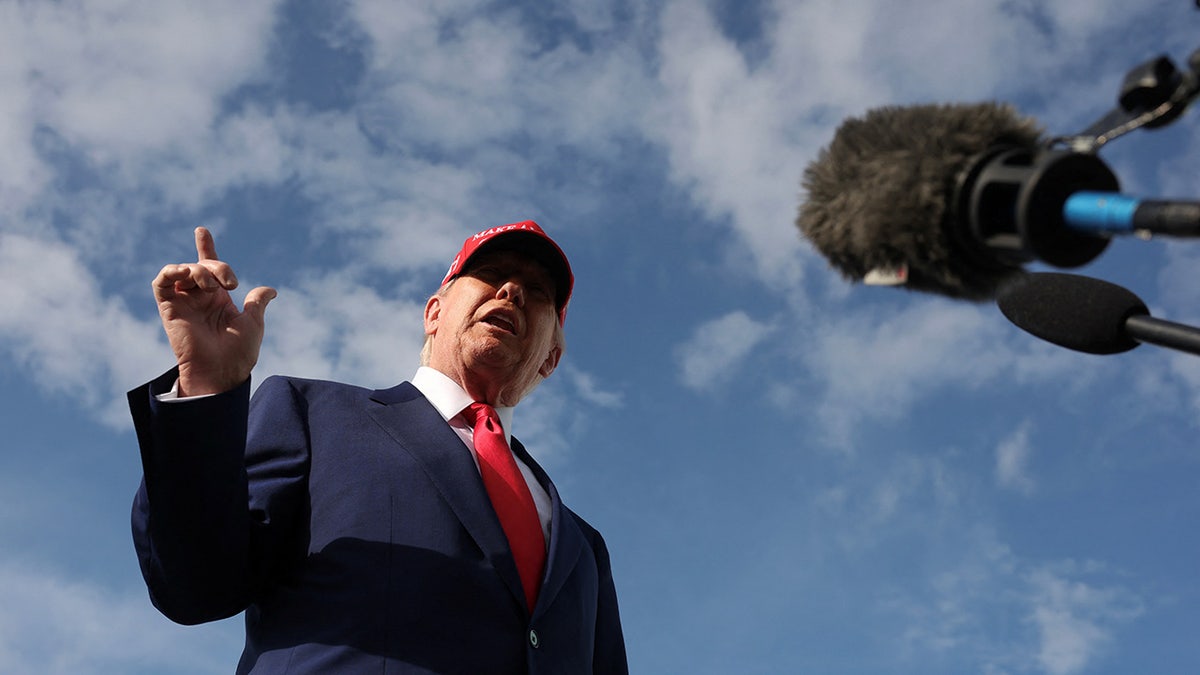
{"points": [[494, 327]]}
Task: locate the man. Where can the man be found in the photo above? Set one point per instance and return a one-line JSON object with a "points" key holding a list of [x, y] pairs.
{"points": [[390, 531]]}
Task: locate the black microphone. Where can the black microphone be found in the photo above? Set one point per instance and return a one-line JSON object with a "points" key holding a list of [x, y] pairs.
{"points": [[1089, 315], [956, 198]]}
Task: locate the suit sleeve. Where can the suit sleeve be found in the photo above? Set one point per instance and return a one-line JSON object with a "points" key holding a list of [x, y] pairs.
{"points": [[204, 540]]}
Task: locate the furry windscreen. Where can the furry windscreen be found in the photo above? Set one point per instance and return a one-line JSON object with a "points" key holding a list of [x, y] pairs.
{"points": [[878, 196]]}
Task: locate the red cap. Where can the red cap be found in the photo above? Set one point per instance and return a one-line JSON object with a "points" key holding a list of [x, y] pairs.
{"points": [[527, 238]]}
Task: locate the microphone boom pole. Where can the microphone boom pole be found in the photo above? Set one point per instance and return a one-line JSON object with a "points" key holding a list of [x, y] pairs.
{"points": [[1178, 336]]}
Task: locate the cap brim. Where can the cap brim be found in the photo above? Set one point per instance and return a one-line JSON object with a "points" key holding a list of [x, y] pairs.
{"points": [[540, 249]]}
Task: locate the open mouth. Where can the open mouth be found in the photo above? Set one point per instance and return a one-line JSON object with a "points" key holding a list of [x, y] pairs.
{"points": [[502, 322]]}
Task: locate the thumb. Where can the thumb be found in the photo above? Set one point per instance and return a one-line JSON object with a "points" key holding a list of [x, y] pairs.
{"points": [[256, 302]]}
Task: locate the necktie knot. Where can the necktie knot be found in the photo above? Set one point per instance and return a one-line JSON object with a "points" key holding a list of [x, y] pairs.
{"points": [[484, 416]]}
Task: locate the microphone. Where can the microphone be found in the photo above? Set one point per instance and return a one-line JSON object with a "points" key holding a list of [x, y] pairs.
{"points": [[956, 198], [1089, 315]]}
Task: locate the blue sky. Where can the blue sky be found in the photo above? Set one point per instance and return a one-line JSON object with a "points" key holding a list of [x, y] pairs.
{"points": [[793, 474]]}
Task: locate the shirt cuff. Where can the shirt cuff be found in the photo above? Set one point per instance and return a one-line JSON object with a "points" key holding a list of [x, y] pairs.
{"points": [[174, 397]]}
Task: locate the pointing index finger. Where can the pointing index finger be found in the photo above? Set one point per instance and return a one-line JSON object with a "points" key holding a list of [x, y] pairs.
{"points": [[206, 247]]}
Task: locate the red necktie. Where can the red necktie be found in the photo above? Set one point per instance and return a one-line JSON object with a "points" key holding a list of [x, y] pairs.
{"points": [[511, 499]]}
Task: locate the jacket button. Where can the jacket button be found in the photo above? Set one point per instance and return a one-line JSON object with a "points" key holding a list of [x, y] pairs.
{"points": [[533, 638]]}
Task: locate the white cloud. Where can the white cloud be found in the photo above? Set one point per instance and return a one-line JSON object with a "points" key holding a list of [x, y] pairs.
{"points": [[1075, 620], [1180, 302], [1185, 368], [104, 103], [728, 133], [951, 612], [22, 173], [953, 579], [1173, 177], [1073, 612], [875, 366], [543, 424], [460, 78], [332, 327], [58, 325], [251, 147], [902, 494], [586, 387], [63, 626], [564, 409], [717, 349], [389, 210], [121, 78], [1012, 459], [1177, 289], [875, 363]]}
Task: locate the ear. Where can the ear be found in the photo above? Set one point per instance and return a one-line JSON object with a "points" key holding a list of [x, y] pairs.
{"points": [[551, 361], [433, 312]]}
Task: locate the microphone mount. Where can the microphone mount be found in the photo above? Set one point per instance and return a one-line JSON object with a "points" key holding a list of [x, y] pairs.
{"points": [[1010, 201], [1153, 95], [1009, 204]]}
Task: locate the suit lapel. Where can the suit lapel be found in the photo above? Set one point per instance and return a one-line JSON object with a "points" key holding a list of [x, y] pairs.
{"points": [[412, 422], [566, 540]]}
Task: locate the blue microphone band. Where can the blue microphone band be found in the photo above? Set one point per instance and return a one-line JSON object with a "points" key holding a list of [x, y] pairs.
{"points": [[1112, 213], [1100, 212]]}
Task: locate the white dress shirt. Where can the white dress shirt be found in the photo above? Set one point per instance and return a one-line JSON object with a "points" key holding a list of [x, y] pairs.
{"points": [[451, 401]]}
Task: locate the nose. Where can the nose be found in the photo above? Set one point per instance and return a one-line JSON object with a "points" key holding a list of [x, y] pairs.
{"points": [[513, 291]]}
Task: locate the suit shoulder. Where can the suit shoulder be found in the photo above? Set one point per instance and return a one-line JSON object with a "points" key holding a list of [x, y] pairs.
{"points": [[308, 387]]}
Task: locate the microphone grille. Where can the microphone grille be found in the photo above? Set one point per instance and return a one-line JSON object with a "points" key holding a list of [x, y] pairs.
{"points": [[1072, 311]]}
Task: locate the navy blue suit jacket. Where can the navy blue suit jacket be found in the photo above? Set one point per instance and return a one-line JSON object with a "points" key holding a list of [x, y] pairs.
{"points": [[353, 529]]}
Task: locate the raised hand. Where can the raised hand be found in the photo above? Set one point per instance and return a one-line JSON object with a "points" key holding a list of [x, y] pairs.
{"points": [[215, 345]]}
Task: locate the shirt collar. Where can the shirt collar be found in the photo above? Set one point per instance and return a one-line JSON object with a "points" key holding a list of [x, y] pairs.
{"points": [[450, 399]]}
